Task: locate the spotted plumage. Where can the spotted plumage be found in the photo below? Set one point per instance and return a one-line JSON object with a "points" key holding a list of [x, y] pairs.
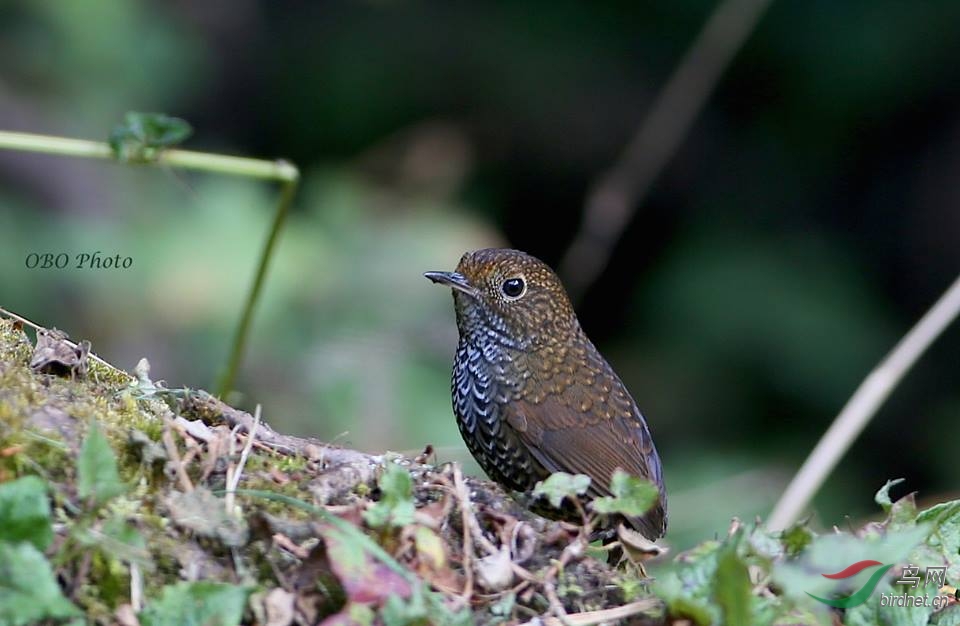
{"points": [[531, 393]]}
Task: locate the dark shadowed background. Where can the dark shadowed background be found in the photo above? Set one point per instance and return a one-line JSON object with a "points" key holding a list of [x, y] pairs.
{"points": [[806, 221]]}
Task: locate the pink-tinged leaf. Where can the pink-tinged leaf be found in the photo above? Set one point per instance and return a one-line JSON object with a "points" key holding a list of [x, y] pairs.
{"points": [[365, 580], [351, 615]]}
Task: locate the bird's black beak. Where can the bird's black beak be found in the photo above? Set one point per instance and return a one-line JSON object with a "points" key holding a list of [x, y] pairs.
{"points": [[454, 280]]}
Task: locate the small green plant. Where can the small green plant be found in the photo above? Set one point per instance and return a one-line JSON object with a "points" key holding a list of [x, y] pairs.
{"points": [[142, 136], [758, 577], [631, 495], [29, 592], [98, 480], [395, 507], [199, 602], [152, 139], [561, 485]]}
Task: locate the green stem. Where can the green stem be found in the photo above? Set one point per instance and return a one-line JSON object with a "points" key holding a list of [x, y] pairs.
{"points": [[225, 383], [55, 145], [284, 172], [280, 170], [186, 159]]}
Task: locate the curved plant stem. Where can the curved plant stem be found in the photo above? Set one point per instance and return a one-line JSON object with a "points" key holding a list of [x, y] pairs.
{"points": [[861, 407], [186, 159], [282, 171], [225, 384]]}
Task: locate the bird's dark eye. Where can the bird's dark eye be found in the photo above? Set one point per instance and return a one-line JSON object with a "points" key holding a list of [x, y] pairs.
{"points": [[513, 287]]}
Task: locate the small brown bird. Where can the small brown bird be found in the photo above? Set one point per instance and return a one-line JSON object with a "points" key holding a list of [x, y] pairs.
{"points": [[531, 393]]}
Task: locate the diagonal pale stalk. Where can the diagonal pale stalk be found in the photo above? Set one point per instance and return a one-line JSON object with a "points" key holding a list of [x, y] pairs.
{"points": [[281, 171], [861, 407], [618, 192]]}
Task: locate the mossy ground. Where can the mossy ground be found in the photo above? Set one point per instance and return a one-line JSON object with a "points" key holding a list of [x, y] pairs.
{"points": [[175, 453]]}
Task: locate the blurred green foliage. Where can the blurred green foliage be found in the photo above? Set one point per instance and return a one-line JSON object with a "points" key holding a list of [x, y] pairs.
{"points": [[803, 226]]}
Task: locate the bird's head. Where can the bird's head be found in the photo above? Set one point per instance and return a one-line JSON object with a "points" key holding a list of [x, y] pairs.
{"points": [[509, 296]]}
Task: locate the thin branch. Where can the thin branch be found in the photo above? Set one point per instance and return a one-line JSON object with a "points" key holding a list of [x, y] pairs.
{"points": [[225, 384], [210, 409], [136, 587], [556, 605], [463, 499], [470, 520], [615, 197], [187, 159], [91, 355], [589, 618], [279, 170], [234, 473], [862, 406], [176, 462]]}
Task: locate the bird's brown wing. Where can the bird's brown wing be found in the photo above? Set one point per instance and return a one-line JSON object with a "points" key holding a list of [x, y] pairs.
{"points": [[596, 442]]}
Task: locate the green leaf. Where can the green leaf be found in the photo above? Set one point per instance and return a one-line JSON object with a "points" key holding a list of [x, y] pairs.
{"points": [[883, 495], [141, 136], [124, 542], [687, 589], [763, 543], [395, 483], [350, 532], [29, 591], [631, 495], [799, 617], [353, 614], [560, 485], [97, 475], [900, 513], [439, 612], [504, 606], [364, 579], [872, 612], [197, 604], [398, 612], [731, 586], [423, 607], [25, 512], [939, 514], [942, 546], [202, 512], [395, 507], [950, 616], [796, 538], [680, 604], [430, 547], [833, 553], [377, 516]]}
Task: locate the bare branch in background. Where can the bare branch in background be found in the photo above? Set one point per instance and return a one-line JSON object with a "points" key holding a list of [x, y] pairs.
{"points": [[618, 192], [862, 406]]}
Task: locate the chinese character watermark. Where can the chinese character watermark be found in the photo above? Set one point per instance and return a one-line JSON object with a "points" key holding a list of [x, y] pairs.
{"points": [[910, 578]]}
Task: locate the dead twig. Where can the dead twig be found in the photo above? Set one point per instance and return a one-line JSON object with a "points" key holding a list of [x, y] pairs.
{"points": [[467, 553], [174, 455], [471, 532], [614, 198], [470, 520], [573, 551], [136, 587], [862, 406], [588, 618], [73, 344], [234, 473], [206, 406], [556, 606]]}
